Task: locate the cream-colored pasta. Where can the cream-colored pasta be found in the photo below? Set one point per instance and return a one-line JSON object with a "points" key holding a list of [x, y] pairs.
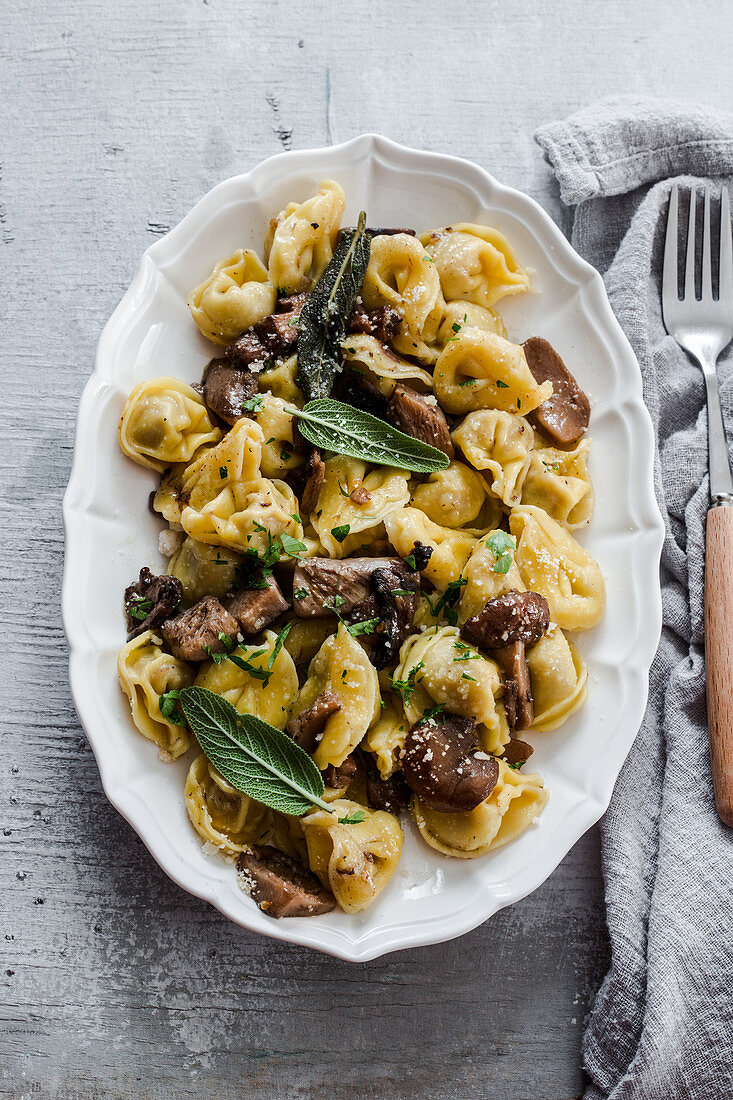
{"points": [[356, 861], [451, 549], [553, 563], [305, 237], [437, 667], [515, 803], [458, 315], [272, 699], [484, 581], [401, 275], [203, 570], [455, 497], [342, 668], [220, 814], [336, 511], [475, 263], [279, 454], [167, 499], [386, 738], [480, 370], [501, 444], [306, 636], [146, 672], [281, 381], [246, 516], [558, 482], [559, 679], [236, 295], [164, 421], [236, 459], [381, 366]]}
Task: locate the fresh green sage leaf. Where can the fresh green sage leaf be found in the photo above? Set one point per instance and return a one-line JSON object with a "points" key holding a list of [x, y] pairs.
{"points": [[252, 755]]}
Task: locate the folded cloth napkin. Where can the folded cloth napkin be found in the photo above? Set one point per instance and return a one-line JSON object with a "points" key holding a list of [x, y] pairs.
{"points": [[662, 1024]]}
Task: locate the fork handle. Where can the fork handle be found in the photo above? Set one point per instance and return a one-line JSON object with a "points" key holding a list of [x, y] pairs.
{"points": [[719, 652]]}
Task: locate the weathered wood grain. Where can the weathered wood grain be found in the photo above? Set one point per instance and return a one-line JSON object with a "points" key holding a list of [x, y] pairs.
{"points": [[116, 118]]}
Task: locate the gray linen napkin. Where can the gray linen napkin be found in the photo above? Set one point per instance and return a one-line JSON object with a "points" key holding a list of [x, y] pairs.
{"points": [[662, 1024]]}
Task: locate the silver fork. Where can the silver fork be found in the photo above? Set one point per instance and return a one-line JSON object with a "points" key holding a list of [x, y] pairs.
{"points": [[704, 327]]}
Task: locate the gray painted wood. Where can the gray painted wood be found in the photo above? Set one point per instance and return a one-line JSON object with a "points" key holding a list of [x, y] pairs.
{"points": [[116, 118]]}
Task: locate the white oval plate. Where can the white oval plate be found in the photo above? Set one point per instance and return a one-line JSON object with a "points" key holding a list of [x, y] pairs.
{"points": [[110, 534]]}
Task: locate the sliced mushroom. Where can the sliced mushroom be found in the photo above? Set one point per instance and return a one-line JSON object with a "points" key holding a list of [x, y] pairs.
{"points": [[197, 633], [150, 601], [418, 558], [392, 795], [322, 584], [226, 388], [564, 417], [517, 751], [513, 663], [278, 333], [384, 323], [443, 766], [256, 608], [280, 886], [512, 617], [315, 471], [395, 593], [354, 389], [246, 350], [307, 727], [341, 777], [417, 416]]}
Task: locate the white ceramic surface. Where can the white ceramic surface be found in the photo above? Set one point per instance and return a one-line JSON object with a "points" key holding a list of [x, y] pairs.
{"points": [[110, 534]]}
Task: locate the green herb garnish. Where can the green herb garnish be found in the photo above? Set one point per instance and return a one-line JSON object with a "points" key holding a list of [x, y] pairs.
{"points": [[353, 819], [168, 704], [502, 385], [253, 404], [500, 544]]}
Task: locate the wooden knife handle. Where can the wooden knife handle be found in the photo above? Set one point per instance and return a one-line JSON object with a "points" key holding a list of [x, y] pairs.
{"points": [[719, 653]]}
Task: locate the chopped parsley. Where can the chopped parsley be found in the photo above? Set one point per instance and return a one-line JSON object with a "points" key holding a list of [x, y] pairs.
{"points": [[223, 471], [285, 455], [467, 382], [405, 688], [300, 593], [436, 712], [334, 602], [500, 544], [446, 603], [465, 652], [344, 490], [340, 533], [366, 626], [140, 608], [169, 707], [292, 547], [473, 679], [502, 385], [256, 671], [353, 819], [253, 404], [410, 561]]}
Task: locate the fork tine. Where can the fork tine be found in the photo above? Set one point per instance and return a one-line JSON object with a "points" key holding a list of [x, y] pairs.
{"points": [[670, 271], [707, 252], [690, 259], [725, 278]]}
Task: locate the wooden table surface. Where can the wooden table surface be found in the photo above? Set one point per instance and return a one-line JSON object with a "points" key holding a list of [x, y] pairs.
{"points": [[117, 117]]}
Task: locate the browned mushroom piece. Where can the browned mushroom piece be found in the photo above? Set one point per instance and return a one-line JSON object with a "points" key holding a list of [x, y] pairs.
{"points": [[394, 591], [564, 417], [513, 663], [417, 416], [150, 601], [315, 471], [354, 389], [256, 608], [392, 795], [341, 776], [360, 494], [418, 558], [517, 751], [383, 323], [246, 350], [443, 765], [306, 729], [226, 388], [322, 584], [278, 333], [511, 617], [280, 886], [195, 634]]}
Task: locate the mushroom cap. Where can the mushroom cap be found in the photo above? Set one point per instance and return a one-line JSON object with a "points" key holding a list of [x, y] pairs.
{"points": [[442, 766], [512, 617]]}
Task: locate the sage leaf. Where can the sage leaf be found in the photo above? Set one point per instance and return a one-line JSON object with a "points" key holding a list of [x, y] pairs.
{"points": [[323, 318], [252, 755], [335, 426]]}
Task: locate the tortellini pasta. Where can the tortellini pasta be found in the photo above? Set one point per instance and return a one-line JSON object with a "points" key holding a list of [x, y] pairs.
{"points": [[341, 524], [236, 459], [269, 699], [558, 482], [356, 861], [306, 636], [279, 453], [164, 421], [401, 275], [220, 814], [515, 803], [500, 444], [451, 549], [342, 668], [457, 315], [146, 672], [236, 295], [553, 563], [559, 678], [475, 263], [246, 516], [480, 370], [386, 738], [381, 366], [304, 238], [487, 576], [203, 570], [281, 380], [455, 497]]}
